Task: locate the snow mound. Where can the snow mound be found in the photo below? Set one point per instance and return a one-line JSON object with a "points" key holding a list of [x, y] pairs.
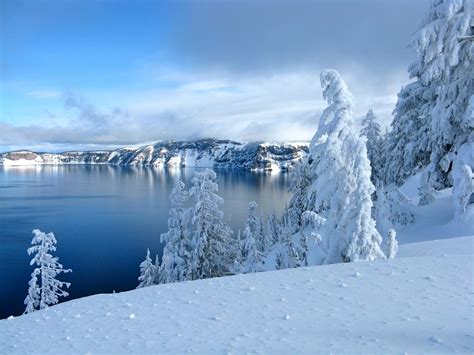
{"points": [[415, 304]]}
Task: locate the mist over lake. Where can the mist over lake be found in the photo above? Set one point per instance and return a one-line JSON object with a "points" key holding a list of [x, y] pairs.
{"points": [[104, 218]]}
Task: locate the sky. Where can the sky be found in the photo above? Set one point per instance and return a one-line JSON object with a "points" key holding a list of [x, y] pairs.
{"points": [[100, 74]]}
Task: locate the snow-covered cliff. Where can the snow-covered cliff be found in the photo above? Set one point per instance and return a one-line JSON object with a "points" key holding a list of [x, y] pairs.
{"points": [[200, 153]]}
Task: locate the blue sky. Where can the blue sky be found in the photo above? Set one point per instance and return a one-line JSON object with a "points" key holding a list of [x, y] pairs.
{"points": [[93, 74]]}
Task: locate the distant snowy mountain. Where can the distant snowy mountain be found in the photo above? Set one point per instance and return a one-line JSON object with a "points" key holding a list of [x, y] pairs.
{"points": [[210, 153]]}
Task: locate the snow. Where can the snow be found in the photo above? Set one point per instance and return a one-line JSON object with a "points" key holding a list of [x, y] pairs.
{"points": [[420, 302]]}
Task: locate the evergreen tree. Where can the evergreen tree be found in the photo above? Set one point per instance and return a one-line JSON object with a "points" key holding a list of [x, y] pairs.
{"points": [[430, 117], [289, 253], [214, 250], [463, 177], [32, 300], [299, 182], [408, 146], [341, 189], [372, 132], [147, 272], [382, 212], [49, 290], [175, 264], [251, 253], [445, 65], [273, 229], [391, 245]]}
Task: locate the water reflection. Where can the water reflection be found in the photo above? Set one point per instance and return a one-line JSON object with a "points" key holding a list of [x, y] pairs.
{"points": [[104, 218]]}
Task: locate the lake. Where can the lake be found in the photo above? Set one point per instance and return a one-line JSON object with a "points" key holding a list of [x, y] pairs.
{"points": [[104, 218]]}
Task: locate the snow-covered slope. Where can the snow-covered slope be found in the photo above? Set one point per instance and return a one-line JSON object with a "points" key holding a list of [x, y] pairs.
{"points": [[201, 153], [417, 304]]}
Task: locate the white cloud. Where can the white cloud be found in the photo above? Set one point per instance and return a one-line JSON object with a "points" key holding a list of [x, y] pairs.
{"points": [[45, 94], [283, 106]]}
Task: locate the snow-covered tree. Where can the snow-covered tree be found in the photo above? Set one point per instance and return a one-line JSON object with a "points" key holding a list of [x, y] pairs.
{"points": [[32, 300], [463, 177], [446, 65], [273, 229], [407, 146], [251, 253], [214, 250], [157, 266], [287, 256], [49, 290], [372, 132], [430, 118], [340, 191], [390, 245], [299, 182], [147, 272], [175, 264]]}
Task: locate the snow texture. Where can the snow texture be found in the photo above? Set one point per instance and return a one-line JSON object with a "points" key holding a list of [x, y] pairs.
{"points": [[416, 304]]}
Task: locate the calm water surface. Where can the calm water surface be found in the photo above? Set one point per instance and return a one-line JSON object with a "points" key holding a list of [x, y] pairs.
{"points": [[104, 218]]}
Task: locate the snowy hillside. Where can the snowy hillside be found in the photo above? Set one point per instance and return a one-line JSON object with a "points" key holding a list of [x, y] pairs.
{"points": [[209, 153], [419, 303]]}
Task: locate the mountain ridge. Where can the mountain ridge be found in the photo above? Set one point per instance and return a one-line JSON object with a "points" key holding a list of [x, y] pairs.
{"points": [[209, 153]]}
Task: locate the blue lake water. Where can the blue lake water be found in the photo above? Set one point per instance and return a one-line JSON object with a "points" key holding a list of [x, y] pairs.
{"points": [[104, 218]]}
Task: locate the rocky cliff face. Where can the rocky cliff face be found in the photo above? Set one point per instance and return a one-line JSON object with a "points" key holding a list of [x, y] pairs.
{"points": [[210, 153]]}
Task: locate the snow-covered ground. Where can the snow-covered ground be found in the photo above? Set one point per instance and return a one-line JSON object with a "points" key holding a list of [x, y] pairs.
{"points": [[420, 302]]}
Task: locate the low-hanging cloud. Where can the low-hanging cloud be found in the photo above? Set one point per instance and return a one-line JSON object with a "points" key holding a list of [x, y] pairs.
{"points": [[276, 108]]}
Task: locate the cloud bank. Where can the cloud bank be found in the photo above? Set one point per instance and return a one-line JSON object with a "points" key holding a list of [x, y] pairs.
{"points": [[244, 70]]}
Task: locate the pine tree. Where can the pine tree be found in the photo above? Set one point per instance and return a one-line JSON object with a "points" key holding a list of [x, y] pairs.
{"points": [[463, 177], [251, 253], [341, 189], [391, 244], [445, 65], [273, 229], [157, 266], [49, 290], [214, 250], [147, 272], [372, 132], [299, 183], [175, 264], [408, 145], [381, 211], [32, 300], [430, 122], [289, 251]]}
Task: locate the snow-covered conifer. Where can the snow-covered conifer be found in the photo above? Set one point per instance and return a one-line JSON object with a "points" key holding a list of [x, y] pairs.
{"points": [[49, 290], [177, 250], [273, 229], [341, 188], [407, 147], [372, 132], [299, 183], [251, 253], [435, 123], [214, 250], [289, 251], [32, 300], [147, 272], [391, 244], [463, 177]]}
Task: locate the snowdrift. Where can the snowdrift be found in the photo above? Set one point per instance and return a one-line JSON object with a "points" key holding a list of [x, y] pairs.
{"points": [[420, 302]]}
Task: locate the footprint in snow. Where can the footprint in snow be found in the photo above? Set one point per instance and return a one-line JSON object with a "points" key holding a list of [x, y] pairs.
{"points": [[435, 339]]}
